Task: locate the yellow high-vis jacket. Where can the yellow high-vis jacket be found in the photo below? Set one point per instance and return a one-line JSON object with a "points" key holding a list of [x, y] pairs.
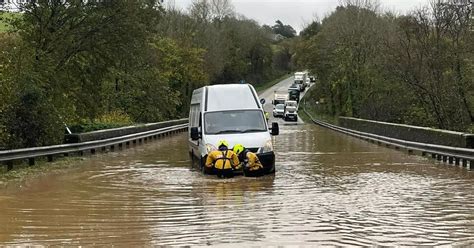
{"points": [[222, 159], [253, 162]]}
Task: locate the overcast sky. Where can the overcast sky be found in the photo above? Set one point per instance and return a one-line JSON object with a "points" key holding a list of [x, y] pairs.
{"points": [[299, 12]]}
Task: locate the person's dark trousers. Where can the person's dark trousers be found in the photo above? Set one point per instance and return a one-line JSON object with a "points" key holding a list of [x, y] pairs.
{"points": [[255, 173], [227, 173]]}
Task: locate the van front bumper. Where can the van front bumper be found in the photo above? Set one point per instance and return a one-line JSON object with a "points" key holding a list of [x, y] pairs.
{"points": [[268, 161]]}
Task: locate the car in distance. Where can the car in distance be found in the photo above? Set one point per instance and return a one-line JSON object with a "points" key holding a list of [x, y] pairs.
{"points": [[294, 87], [279, 110], [291, 111]]}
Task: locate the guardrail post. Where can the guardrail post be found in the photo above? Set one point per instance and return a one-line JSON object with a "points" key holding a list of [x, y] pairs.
{"points": [[456, 161], [410, 151], [423, 154], [471, 165], [112, 147], [433, 155], [31, 161], [464, 162], [439, 157], [9, 165], [451, 160], [445, 158], [50, 158], [92, 151]]}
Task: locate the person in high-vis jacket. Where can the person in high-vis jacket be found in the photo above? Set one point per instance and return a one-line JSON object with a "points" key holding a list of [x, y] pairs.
{"points": [[223, 160], [249, 161]]}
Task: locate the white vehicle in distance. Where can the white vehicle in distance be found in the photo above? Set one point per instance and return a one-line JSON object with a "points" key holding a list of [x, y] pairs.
{"points": [[300, 78], [233, 113], [291, 111], [279, 98], [279, 110]]}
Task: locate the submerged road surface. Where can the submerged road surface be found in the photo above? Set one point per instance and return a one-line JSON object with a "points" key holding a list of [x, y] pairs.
{"points": [[329, 189]]}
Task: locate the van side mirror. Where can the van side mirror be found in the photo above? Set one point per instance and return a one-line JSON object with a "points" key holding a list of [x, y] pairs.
{"points": [[262, 101], [195, 135], [275, 128]]}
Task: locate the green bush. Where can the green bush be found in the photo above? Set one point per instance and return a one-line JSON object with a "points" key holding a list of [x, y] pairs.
{"points": [[108, 120], [31, 121]]}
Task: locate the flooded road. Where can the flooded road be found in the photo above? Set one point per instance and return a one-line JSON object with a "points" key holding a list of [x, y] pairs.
{"points": [[329, 189]]}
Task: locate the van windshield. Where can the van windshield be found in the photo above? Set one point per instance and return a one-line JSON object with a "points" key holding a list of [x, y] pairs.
{"points": [[237, 121]]}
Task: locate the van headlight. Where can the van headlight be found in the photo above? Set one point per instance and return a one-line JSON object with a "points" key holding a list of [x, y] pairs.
{"points": [[268, 147], [210, 148]]}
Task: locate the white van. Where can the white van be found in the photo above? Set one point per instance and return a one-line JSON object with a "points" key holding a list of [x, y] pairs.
{"points": [[230, 112], [300, 79]]}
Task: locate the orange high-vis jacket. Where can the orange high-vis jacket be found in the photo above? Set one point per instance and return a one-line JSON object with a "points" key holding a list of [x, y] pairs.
{"points": [[222, 159]]}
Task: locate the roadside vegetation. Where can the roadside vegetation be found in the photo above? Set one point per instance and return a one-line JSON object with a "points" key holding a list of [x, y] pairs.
{"points": [[5, 19], [414, 69], [105, 64]]}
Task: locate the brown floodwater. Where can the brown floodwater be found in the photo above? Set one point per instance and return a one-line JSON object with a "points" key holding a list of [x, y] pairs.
{"points": [[329, 189]]}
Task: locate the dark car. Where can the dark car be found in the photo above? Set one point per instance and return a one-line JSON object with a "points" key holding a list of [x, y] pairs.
{"points": [[294, 94]]}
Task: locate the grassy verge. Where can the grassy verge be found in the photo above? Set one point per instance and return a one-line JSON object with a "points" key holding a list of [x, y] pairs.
{"points": [[315, 109], [22, 172], [266, 85]]}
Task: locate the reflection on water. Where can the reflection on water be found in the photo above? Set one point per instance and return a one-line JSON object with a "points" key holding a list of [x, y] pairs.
{"points": [[329, 190]]}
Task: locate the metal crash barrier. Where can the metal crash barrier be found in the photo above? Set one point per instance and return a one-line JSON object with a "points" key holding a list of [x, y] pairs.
{"points": [[451, 155], [8, 157]]}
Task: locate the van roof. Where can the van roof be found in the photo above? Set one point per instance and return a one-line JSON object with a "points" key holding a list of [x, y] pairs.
{"points": [[231, 96]]}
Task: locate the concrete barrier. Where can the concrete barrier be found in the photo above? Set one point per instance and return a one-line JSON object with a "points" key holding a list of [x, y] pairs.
{"points": [[410, 133], [117, 132]]}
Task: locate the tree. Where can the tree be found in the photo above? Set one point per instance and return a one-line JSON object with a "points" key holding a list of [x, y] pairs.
{"points": [[415, 69], [87, 62], [311, 30], [285, 30]]}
